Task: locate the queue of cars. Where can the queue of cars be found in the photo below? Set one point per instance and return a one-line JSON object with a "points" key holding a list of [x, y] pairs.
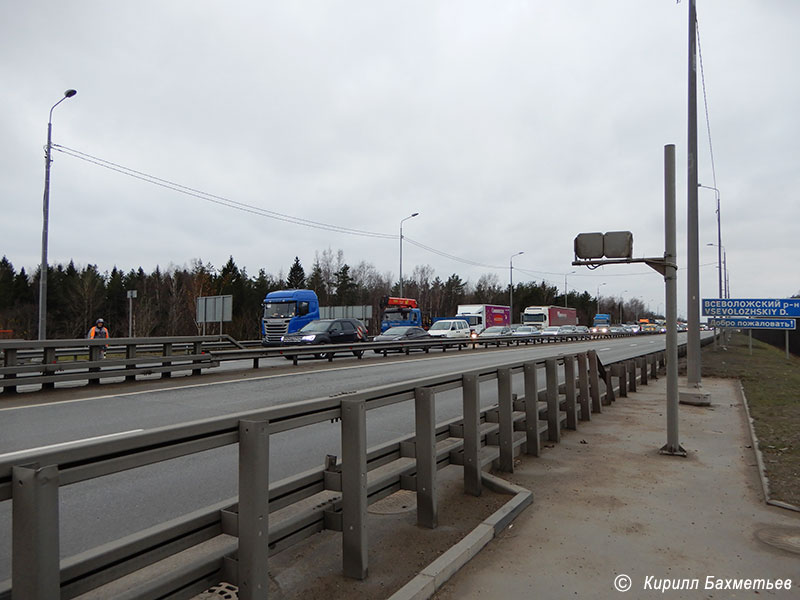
{"points": [[348, 330]]}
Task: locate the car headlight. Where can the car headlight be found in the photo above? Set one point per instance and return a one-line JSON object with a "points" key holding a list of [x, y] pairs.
{"points": [[309, 338], [282, 337]]}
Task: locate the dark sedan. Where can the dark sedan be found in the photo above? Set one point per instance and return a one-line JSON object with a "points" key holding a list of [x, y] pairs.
{"points": [[328, 331], [401, 334]]}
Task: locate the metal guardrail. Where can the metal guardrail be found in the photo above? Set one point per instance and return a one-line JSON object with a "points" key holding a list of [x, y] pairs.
{"points": [[232, 540], [46, 363]]}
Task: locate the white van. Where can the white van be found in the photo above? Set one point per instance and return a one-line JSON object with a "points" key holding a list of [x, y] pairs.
{"points": [[450, 328]]}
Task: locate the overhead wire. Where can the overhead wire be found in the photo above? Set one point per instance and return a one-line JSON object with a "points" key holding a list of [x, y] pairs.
{"points": [[213, 198], [259, 211], [705, 103]]}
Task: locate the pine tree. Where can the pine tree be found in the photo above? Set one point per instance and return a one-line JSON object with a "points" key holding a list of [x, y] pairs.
{"points": [[297, 276]]}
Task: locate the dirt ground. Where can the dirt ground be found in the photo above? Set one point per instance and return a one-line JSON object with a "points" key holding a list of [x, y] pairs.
{"points": [[312, 569]]}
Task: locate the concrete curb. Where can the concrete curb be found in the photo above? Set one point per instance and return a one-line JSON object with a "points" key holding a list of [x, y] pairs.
{"points": [[762, 471], [436, 574]]}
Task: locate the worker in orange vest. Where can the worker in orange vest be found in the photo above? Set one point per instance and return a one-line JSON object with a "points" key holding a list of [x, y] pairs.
{"points": [[100, 331]]}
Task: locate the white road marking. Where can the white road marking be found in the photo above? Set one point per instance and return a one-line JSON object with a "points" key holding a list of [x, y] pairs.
{"points": [[70, 443]]}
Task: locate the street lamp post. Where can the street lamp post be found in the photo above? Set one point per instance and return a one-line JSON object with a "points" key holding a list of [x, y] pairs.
{"points": [[719, 238], [565, 287], [723, 267], [401, 250], [621, 308], [598, 297], [45, 220], [511, 285]]}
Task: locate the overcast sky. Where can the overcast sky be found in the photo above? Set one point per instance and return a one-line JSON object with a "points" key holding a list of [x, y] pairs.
{"points": [[509, 126]]}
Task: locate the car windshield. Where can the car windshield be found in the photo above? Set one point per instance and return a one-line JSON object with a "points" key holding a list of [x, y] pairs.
{"points": [[279, 310], [494, 330], [316, 326], [552, 328], [397, 331], [441, 325], [395, 314]]}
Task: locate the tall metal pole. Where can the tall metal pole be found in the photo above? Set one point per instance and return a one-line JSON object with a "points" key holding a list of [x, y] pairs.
{"points": [[719, 236], [565, 287], [598, 297], [673, 445], [725, 268], [693, 359], [401, 250], [45, 221], [511, 285]]}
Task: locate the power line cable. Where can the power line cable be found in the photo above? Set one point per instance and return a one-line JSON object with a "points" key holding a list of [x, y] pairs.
{"points": [[705, 103], [213, 198]]}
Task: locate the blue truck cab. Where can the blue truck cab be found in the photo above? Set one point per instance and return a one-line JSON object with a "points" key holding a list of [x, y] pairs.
{"points": [[286, 311], [601, 323], [399, 312]]}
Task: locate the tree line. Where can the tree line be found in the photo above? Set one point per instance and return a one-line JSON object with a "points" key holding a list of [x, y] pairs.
{"points": [[166, 299]]}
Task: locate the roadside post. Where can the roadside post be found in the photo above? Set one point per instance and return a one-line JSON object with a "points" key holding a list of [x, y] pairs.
{"points": [[131, 295], [616, 247]]}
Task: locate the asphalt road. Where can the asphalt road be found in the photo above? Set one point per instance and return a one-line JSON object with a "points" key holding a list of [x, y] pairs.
{"points": [[105, 509]]}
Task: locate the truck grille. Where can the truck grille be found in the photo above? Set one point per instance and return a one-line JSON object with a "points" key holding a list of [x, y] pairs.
{"points": [[275, 329]]}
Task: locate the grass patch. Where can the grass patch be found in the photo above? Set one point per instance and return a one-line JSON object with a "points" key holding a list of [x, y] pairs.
{"points": [[772, 385]]}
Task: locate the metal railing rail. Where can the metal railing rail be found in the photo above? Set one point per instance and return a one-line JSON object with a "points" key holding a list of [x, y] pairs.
{"points": [[42, 362], [232, 540], [37, 362]]}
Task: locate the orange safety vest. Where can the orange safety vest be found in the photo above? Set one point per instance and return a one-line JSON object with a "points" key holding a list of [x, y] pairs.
{"points": [[100, 333]]}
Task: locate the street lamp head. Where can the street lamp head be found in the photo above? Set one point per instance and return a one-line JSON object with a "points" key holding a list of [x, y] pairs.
{"points": [[70, 93], [414, 215]]}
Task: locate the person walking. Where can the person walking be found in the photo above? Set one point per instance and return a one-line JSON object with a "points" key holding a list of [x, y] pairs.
{"points": [[100, 331]]}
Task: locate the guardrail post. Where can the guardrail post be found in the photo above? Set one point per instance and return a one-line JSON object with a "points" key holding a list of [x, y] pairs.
{"points": [[533, 445], [253, 580], [623, 379], [643, 369], [35, 569], [583, 386], [10, 360], [610, 395], [354, 489], [95, 354], [48, 358], [472, 442], [569, 390], [553, 412], [654, 367], [631, 367], [196, 350], [506, 413], [167, 363], [130, 352], [425, 417], [594, 380]]}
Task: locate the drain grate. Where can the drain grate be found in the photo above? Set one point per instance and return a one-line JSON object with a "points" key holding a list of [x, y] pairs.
{"points": [[223, 591]]}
